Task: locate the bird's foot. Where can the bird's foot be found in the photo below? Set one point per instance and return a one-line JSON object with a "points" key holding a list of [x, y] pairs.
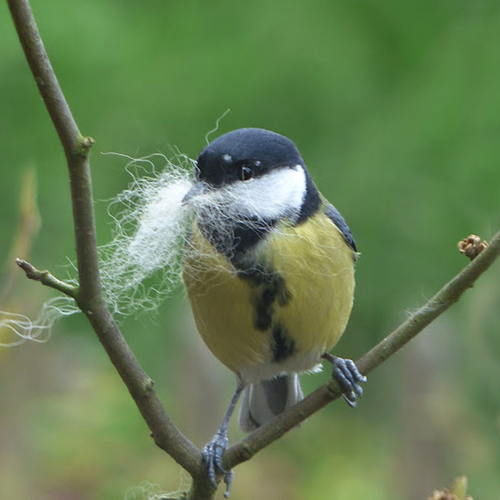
{"points": [[346, 373], [212, 458]]}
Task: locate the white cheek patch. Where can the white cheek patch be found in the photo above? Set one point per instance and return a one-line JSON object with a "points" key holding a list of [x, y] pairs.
{"points": [[277, 194], [255, 203], [280, 193]]}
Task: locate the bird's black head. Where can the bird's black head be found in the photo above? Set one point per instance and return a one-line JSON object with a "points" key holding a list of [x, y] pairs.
{"points": [[245, 154]]}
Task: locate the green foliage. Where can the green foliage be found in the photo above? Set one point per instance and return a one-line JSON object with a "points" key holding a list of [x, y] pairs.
{"points": [[396, 109]]}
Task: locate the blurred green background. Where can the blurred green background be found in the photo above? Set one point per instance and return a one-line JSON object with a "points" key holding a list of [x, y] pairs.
{"points": [[395, 107]]}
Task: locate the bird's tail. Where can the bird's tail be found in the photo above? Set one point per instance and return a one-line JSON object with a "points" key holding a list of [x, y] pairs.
{"points": [[263, 400]]}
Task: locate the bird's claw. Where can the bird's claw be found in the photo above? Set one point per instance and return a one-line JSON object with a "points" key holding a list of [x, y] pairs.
{"points": [[347, 375], [228, 479], [212, 458]]}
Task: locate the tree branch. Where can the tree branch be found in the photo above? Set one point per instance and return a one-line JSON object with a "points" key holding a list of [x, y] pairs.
{"points": [[45, 78], [89, 297], [47, 279], [446, 297]]}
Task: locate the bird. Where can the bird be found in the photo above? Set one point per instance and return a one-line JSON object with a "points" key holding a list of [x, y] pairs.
{"points": [[269, 272]]}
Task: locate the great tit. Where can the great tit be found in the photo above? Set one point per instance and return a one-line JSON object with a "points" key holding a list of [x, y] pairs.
{"points": [[269, 271]]}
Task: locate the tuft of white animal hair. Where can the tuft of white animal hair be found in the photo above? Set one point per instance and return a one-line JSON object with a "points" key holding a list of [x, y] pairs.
{"points": [[141, 266], [151, 230], [148, 491], [15, 329]]}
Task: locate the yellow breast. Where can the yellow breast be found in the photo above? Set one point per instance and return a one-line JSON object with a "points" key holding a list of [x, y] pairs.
{"points": [[309, 304]]}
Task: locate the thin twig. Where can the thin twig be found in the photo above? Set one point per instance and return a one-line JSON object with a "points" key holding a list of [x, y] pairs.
{"points": [[45, 78], [76, 147], [89, 298], [47, 279], [436, 306], [447, 296]]}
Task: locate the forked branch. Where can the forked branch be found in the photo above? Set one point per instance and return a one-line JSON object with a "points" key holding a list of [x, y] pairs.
{"points": [[47, 279], [89, 296]]}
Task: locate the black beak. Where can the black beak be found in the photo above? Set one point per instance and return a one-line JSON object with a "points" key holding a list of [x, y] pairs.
{"points": [[197, 189]]}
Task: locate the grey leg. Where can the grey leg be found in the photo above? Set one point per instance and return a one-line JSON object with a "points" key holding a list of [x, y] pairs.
{"points": [[214, 450]]}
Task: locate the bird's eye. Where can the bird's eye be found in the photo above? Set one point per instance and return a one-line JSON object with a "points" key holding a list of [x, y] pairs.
{"points": [[246, 173]]}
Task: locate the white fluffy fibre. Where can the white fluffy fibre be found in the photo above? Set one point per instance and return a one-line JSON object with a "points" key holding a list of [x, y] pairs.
{"points": [[150, 234], [149, 491], [146, 491], [143, 262], [20, 328], [151, 227]]}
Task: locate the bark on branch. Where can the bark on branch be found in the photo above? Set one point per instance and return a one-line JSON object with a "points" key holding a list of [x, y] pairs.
{"points": [[89, 296], [437, 305], [90, 300]]}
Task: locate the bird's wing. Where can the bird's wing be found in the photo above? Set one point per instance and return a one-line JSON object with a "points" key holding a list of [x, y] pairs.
{"points": [[334, 215]]}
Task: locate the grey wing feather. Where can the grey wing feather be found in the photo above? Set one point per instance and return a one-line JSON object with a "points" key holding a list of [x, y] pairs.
{"points": [[334, 215]]}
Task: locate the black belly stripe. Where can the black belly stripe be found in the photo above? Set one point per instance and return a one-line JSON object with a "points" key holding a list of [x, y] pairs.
{"points": [[263, 305], [283, 346], [268, 288]]}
